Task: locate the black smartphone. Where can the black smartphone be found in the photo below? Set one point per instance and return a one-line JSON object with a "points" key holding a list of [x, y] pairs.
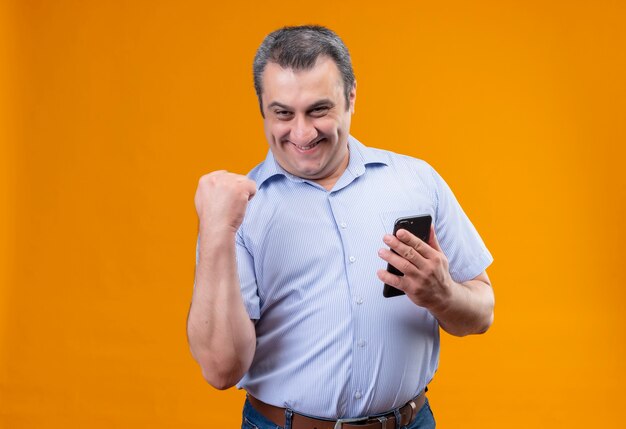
{"points": [[419, 226]]}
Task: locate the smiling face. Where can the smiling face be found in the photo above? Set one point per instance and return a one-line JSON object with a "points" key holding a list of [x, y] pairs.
{"points": [[306, 120]]}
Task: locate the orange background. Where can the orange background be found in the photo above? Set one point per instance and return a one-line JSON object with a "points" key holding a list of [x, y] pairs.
{"points": [[111, 111]]}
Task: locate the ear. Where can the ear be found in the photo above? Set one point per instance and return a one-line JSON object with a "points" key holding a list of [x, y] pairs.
{"points": [[352, 97]]}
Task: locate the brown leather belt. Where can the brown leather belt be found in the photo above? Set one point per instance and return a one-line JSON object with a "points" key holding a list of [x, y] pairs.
{"points": [[387, 421]]}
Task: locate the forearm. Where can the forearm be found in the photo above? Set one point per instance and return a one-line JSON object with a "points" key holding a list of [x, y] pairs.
{"points": [[468, 309], [221, 335]]}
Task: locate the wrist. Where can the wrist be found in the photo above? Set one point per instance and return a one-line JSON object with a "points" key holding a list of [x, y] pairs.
{"points": [[213, 228], [216, 239], [443, 301]]}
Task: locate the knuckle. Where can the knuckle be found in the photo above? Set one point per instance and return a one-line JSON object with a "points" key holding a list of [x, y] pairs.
{"points": [[211, 177], [397, 282], [429, 271], [440, 259], [406, 267], [409, 253], [203, 179], [393, 280]]}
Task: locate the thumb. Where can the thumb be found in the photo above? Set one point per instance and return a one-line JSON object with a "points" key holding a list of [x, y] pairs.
{"points": [[251, 189]]}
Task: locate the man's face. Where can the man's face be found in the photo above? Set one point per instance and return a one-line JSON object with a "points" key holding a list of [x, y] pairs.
{"points": [[306, 120]]}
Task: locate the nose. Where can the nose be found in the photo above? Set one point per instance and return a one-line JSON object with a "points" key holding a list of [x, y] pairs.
{"points": [[303, 131]]}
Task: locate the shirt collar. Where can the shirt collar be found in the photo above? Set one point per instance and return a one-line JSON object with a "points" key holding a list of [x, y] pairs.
{"points": [[360, 157]]}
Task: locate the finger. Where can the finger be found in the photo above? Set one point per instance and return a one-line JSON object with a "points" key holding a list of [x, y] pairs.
{"points": [[403, 265], [251, 188], [217, 173], [421, 246], [391, 279], [406, 251], [433, 242]]}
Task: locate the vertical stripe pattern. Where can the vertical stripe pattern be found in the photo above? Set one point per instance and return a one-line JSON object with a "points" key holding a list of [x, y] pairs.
{"points": [[328, 343]]}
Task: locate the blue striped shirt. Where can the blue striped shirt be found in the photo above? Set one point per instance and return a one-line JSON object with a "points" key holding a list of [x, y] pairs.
{"points": [[328, 343]]}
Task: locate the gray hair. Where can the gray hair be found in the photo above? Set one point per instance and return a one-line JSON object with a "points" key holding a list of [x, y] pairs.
{"points": [[298, 48]]}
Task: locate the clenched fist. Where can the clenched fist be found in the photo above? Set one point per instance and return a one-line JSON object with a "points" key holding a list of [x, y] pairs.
{"points": [[221, 200]]}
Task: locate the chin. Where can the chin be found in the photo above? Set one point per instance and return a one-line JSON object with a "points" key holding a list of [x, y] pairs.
{"points": [[309, 175]]}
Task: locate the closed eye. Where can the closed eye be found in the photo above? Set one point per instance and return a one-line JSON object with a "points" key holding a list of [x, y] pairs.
{"points": [[283, 114], [319, 111]]}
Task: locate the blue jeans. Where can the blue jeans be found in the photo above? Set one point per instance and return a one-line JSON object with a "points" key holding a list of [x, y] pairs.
{"points": [[253, 420]]}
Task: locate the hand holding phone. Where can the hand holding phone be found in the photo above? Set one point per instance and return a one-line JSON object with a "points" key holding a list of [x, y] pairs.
{"points": [[419, 226]]}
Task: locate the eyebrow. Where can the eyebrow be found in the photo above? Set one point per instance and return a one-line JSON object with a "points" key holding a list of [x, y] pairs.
{"points": [[321, 103], [315, 105], [277, 104]]}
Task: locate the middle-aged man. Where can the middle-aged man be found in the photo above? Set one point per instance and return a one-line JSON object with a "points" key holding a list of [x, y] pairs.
{"points": [[288, 300]]}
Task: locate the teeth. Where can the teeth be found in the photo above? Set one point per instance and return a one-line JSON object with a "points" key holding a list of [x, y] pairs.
{"points": [[307, 147]]}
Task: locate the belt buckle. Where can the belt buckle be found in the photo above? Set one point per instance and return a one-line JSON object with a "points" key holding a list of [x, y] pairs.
{"points": [[340, 422]]}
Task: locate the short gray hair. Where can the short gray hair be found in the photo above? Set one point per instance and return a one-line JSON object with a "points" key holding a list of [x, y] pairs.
{"points": [[298, 48]]}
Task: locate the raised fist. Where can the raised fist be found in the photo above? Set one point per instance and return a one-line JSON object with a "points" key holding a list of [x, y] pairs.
{"points": [[221, 200]]}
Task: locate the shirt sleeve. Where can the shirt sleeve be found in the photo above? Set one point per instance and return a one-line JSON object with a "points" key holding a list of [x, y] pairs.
{"points": [[467, 254], [247, 279]]}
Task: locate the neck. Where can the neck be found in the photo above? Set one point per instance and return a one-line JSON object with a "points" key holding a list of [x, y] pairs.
{"points": [[329, 181]]}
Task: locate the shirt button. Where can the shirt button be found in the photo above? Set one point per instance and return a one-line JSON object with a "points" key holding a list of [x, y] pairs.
{"points": [[359, 300], [358, 395], [361, 343], [352, 259], [343, 225]]}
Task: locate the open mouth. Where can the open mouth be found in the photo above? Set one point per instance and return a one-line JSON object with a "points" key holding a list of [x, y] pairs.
{"points": [[308, 147]]}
